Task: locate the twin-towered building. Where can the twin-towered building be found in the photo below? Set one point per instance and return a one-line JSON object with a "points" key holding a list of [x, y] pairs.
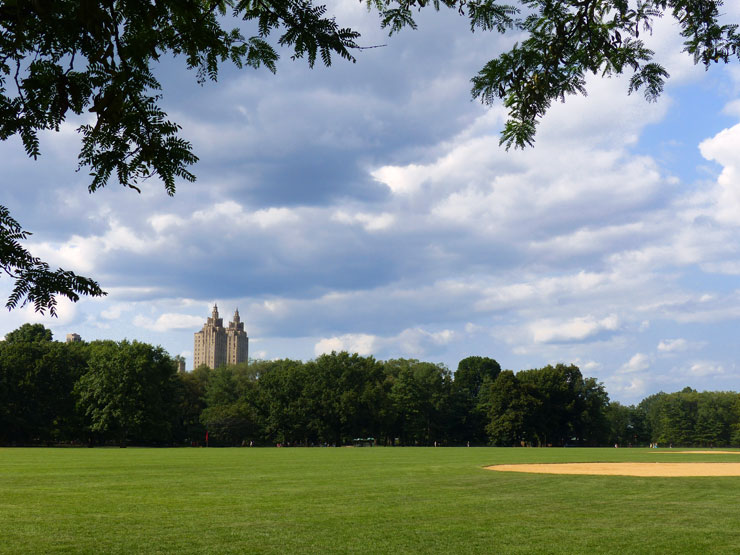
{"points": [[216, 345]]}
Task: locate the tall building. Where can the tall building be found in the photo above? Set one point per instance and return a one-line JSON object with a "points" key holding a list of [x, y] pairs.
{"points": [[215, 345], [73, 338], [237, 342]]}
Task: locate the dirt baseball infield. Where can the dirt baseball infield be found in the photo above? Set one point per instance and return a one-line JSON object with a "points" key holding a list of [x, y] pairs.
{"points": [[667, 469]]}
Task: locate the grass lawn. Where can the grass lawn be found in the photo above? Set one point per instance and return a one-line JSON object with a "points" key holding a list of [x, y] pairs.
{"points": [[385, 500]]}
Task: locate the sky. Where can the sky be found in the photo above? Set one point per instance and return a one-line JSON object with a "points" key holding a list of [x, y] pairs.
{"points": [[368, 207]]}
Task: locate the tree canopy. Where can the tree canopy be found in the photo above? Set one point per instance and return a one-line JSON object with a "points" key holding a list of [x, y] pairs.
{"points": [[107, 392], [95, 58]]}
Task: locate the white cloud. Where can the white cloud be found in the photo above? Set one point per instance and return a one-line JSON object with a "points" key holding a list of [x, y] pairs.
{"points": [[66, 314], [114, 312], [412, 342], [371, 222], [673, 345], [638, 363], [402, 180], [723, 148], [169, 321], [732, 108], [587, 365], [223, 210], [576, 329], [362, 344], [162, 222], [419, 342], [706, 368], [84, 254], [273, 217], [628, 387], [545, 289]]}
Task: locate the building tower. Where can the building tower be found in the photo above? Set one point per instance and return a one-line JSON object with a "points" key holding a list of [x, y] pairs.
{"points": [[237, 342], [210, 342], [215, 345]]}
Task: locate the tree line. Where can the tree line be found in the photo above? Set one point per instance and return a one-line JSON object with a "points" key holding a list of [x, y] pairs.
{"points": [[129, 392]]}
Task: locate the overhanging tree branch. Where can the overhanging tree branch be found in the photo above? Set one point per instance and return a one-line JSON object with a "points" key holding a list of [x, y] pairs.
{"points": [[35, 283]]}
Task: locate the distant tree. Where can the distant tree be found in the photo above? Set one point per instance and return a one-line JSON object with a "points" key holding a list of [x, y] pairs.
{"points": [[554, 405], [421, 395], [128, 392], [715, 417], [471, 377], [473, 371], [178, 361], [556, 388], [735, 426], [626, 425], [285, 408], [231, 415], [678, 413], [691, 418], [650, 407], [512, 408], [37, 378], [344, 393], [618, 416], [590, 423], [29, 333], [191, 392]]}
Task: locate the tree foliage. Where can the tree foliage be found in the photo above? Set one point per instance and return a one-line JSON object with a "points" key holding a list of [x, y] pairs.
{"points": [[29, 333], [107, 392], [554, 405], [128, 391], [37, 377], [472, 378], [693, 418]]}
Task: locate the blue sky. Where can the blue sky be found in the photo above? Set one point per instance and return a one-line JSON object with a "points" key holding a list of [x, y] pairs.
{"points": [[368, 207]]}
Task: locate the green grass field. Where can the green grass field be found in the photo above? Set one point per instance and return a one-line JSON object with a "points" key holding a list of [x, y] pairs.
{"points": [[384, 500]]}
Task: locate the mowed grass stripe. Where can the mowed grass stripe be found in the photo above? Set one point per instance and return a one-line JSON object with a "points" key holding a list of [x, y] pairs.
{"points": [[383, 500]]}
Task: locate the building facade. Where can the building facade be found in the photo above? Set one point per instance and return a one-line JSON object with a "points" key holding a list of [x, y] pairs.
{"points": [[237, 342], [215, 345]]}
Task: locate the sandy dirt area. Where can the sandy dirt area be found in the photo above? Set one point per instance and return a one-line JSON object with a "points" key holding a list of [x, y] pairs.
{"points": [[627, 469]]}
